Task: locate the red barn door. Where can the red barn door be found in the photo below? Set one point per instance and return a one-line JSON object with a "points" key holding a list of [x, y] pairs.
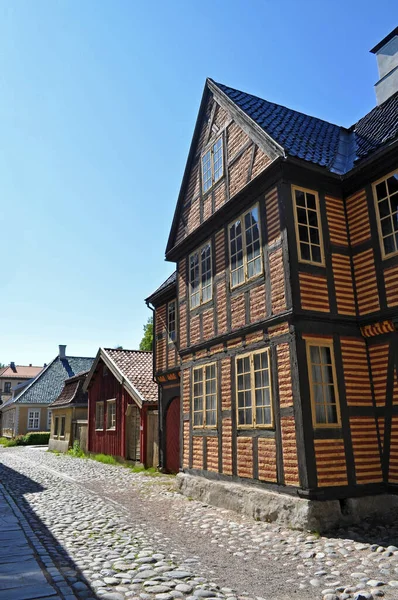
{"points": [[173, 436]]}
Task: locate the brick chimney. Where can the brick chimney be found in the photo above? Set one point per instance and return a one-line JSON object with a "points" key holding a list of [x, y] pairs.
{"points": [[387, 61], [62, 348]]}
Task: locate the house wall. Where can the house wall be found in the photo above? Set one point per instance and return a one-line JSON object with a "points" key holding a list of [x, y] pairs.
{"points": [[103, 388], [166, 355], [23, 418], [8, 420], [243, 161], [71, 414]]}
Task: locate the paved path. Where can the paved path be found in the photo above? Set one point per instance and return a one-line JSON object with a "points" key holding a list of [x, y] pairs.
{"points": [[114, 535]]}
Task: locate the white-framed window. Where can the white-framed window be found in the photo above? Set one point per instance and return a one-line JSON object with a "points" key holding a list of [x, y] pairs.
{"points": [[245, 247], [385, 192], [212, 165], [111, 414], [49, 413], [171, 322], [323, 383], [254, 393], [204, 406], [200, 276], [99, 415], [34, 419], [307, 219]]}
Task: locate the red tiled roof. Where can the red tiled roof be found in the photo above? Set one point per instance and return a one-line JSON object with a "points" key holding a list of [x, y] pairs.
{"points": [[137, 367], [21, 372]]}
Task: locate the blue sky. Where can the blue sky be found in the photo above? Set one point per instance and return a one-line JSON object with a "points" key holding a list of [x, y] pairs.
{"points": [[98, 101]]}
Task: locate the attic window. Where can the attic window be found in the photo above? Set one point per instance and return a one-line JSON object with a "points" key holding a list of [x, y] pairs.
{"points": [[212, 165]]}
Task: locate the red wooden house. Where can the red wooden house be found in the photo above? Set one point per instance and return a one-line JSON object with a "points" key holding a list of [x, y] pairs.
{"points": [[280, 333], [122, 406]]}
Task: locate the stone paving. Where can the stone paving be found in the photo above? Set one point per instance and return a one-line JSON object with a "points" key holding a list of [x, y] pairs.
{"points": [[113, 534]]}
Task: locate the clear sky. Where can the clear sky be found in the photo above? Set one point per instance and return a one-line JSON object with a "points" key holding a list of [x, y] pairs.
{"points": [[98, 101]]}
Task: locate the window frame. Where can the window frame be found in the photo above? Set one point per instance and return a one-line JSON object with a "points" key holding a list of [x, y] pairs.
{"points": [[56, 426], [241, 218], [198, 251], [253, 390], [7, 387], [109, 403], [210, 148], [204, 425], [30, 411], [97, 406], [384, 256], [63, 427], [296, 223], [321, 342], [170, 340]]}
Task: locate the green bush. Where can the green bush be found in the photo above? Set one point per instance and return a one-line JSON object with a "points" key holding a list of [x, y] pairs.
{"points": [[105, 458], [39, 438], [76, 450]]}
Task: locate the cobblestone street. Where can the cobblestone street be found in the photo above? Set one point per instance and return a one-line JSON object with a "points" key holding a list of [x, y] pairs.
{"points": [[102, 531]]}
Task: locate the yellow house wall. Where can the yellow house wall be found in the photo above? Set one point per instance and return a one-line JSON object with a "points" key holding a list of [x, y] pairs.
{"points": [[23, 418], [71, 414]]}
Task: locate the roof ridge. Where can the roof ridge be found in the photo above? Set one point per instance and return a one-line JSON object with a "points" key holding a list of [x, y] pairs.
{"points": [[128, 350]]}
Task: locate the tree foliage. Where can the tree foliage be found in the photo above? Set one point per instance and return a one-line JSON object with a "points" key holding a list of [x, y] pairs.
{"points": [[147, 340]]}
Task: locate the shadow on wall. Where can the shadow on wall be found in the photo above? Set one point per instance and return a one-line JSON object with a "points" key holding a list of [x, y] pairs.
{"points": [[17, 486]]}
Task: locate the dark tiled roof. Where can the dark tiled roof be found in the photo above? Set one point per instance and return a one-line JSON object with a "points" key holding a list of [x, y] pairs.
{"points": [[377, 127], [299, 135], [47, 386], [72, 392], [331, 146], [169, 283], [137, 367]]}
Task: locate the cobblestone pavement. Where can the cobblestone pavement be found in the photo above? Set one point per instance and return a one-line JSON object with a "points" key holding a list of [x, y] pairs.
{"points": [[114, 534]]}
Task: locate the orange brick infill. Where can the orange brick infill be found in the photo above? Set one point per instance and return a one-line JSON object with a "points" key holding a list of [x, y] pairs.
{"points": [[226, 384], [212, 454], [289, 451], [208, 324], [194, 216], [221, 296], [257, 303], [280, 329], [277, 277], [238, 311], [216, 349], [194, 334], [183, 327], [245, 457], [284, 375], [220, 251], [181, 279], [227, 446], [185, 458], [267, 459], [197, 452], [256, 336], [186, 394], [235, 343]]}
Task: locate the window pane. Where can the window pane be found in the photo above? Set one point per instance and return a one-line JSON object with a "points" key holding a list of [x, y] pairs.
{"points": [[384, 208], [300, 198], [325, 355], [305, 251], [311, 203], [392, 183], [320, 414], [394, 202], [302, 216], [206, 171], [314, 236], [316, 254], [327, 374], [381, 190], [217, 160], [316, 374], [312, 218], [389, 244], [315, 355], [331, 412], [303, 233], [386, 226]]}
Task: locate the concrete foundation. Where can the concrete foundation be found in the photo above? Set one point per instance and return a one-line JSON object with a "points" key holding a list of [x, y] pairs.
{"points": [[58, 445], [290, 511]]}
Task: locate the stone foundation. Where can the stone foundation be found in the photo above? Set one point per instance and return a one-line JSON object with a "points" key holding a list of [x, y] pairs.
{"points": [[286, 510]]}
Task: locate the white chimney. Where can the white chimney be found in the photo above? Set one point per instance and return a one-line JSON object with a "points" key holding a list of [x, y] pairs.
{"points": [[62, 348], [387, 61]]}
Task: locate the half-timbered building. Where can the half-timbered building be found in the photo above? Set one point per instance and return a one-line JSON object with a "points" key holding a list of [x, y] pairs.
{"points": [[280, 331]]}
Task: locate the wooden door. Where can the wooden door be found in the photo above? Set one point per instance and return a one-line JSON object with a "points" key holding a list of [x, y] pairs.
{"points": [[133, 420], [152, 445], [172, 432]]}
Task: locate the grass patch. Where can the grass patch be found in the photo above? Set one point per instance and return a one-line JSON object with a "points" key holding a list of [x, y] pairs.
{"points": [[76, 451], [104, 458], [150, 472]]}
